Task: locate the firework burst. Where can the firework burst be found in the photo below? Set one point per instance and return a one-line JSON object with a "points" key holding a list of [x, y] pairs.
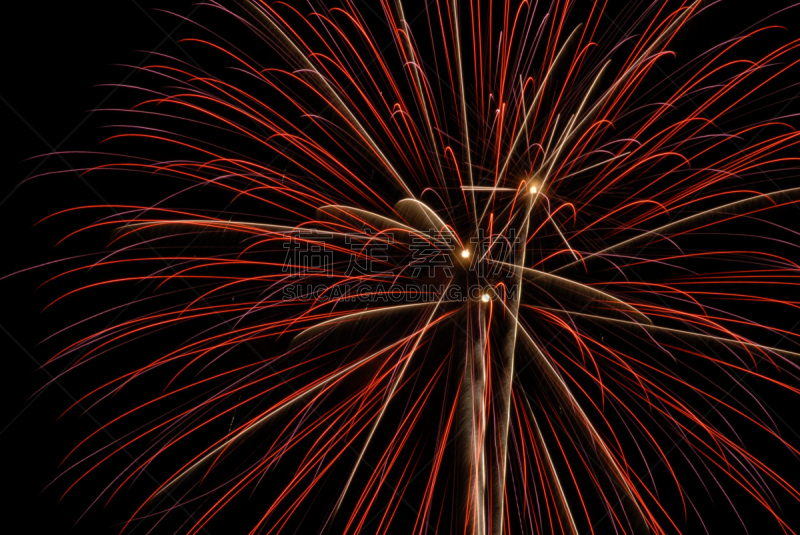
{"points": [[502, 265]]}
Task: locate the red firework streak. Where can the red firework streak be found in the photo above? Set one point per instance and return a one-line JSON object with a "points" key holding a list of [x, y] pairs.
{"points": [[476, 267]]}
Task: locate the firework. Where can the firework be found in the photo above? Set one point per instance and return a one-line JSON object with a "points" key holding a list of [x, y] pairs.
{"points": [[476, 268]]}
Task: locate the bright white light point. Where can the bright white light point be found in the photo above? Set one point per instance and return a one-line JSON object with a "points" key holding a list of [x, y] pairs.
{"points": [[485, 298], [464, 254], [533, 190]]}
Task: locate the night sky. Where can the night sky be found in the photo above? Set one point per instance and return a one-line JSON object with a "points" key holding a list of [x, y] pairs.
{"points": [[56, 57]]}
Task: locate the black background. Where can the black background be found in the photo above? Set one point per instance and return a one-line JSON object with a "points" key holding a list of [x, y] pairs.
{"points": [[55, 57]]}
